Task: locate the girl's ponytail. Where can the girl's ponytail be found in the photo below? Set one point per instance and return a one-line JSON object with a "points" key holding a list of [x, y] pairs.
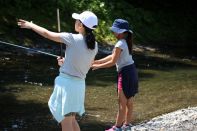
{"points": [[129, 40], [90, 38]]}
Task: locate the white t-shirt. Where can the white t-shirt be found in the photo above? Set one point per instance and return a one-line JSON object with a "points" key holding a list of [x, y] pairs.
{"points": [[125, 58], [78, 58]]}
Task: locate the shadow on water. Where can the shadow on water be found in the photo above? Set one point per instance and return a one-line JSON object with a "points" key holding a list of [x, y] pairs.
{"points": [[31, 115], [22, 114]]}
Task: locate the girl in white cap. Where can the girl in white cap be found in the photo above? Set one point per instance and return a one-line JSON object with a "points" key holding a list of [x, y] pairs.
{"points": [[127, 82], [68, 95]]}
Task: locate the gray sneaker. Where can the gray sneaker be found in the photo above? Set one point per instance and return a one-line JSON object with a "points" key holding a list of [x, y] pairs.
{"points": [[127, 127]]}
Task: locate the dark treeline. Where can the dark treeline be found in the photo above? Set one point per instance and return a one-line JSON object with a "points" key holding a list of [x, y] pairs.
{"points": [[164, 22]]}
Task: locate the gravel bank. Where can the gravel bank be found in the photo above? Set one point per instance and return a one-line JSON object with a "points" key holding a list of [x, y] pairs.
{"points": [[180, 120]]}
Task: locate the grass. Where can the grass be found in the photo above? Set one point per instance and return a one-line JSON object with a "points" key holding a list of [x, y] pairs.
{"points": [[166, 84]]}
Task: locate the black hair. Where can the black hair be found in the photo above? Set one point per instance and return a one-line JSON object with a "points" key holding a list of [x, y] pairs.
{"points": [[90, 38], [129, 40]]}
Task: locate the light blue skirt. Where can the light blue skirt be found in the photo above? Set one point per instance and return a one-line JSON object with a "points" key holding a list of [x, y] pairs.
{"points": [[68, 96]]}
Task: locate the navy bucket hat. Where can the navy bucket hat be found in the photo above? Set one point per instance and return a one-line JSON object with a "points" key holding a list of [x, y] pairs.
{"points": [[120, 26]]}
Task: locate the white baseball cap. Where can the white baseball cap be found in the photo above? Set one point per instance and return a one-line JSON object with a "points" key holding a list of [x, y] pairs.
{"points": [[88, 18]]}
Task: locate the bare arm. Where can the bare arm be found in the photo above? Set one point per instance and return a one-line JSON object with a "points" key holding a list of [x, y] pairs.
{"points": [[40, 30], [110, 62], [103, 60]]}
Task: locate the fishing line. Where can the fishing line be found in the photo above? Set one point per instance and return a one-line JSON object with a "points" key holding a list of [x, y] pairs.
{"points": [[26, 48]]}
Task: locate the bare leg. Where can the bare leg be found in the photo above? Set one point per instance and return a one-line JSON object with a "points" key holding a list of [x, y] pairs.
{"points": [[122, 108], [129, 111], [67, 123], [75, 124]]}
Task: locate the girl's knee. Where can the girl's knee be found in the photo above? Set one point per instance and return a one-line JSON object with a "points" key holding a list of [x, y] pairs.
{"points": [[122, 106], [66, 123]]}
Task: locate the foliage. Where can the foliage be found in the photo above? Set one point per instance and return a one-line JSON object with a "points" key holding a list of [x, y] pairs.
{"points": [[152, 21]]}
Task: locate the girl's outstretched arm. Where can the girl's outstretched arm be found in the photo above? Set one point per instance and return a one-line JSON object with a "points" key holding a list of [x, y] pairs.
{"points": [[40, 30], [103, 60], [114, 57]]}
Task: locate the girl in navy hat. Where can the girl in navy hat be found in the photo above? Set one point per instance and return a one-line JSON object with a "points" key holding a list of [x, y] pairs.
{"points": [[68, 95], [127, 80]]}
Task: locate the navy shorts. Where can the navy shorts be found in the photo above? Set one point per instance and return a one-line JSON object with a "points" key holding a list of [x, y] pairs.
{"points": [[129, 80]]}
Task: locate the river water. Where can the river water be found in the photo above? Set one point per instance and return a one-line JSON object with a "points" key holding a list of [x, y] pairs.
{"points": [[21, 66]]}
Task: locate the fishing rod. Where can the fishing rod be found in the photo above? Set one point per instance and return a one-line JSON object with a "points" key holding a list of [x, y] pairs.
{"points": [[58, 25], [26, 48]]}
